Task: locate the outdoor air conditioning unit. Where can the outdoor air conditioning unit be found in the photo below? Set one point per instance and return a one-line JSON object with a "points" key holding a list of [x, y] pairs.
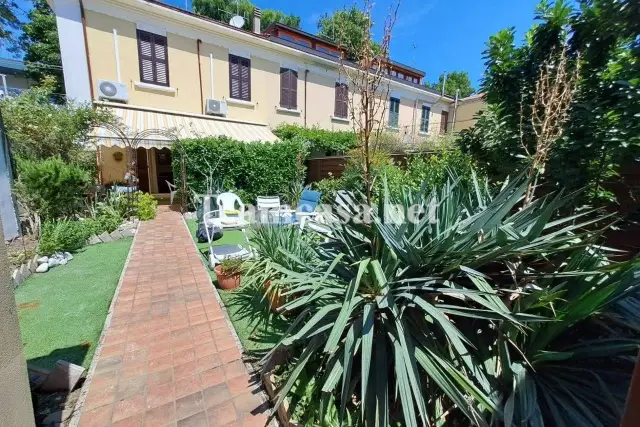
{"points": [[216, 107], [112, 91]]}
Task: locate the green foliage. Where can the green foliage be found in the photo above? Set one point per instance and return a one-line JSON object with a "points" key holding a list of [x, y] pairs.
{"points": [[329, 187], [602, 134], [249, 169], [41, 47], [477, 312], [231, 266], [320, 140], [145, 206], [109, 212], [65, 235], [223, 10], [39, 129], [9, 22], [456, 80], [52, 188], [344, 28]]}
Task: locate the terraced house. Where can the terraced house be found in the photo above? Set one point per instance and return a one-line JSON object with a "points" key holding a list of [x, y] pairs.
{"points": [[158, 66]]}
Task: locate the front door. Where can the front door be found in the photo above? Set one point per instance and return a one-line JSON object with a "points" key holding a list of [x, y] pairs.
{"points": [[444, 122], [164, 171], [143, 169]]}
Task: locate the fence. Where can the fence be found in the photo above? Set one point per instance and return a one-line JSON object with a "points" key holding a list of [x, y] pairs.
{"points": [[325, 167]]}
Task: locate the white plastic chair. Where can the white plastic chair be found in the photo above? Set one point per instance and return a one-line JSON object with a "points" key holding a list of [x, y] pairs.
{"points": [[227, 203], [172, 191], [271, 205]]}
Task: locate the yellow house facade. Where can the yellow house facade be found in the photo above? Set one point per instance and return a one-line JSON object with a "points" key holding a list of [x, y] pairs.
{"points": [[168, 63]]}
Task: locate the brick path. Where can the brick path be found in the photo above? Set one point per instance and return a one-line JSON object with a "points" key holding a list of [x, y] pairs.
{"points": [[169, 357]]}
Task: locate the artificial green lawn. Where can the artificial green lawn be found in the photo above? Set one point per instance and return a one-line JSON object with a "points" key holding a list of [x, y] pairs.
{"points": [[62, 312], [244, 306]]}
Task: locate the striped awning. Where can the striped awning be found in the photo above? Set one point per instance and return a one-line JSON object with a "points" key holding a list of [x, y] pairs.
{"points": [[183, 126]]}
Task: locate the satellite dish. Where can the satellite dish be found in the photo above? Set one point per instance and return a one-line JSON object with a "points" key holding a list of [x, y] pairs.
{"points": [[236, 21]]}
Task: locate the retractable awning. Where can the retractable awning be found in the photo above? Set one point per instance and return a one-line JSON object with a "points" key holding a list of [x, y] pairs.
{"points": [[185, 126]]}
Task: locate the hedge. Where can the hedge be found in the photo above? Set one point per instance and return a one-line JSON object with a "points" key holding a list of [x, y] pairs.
{"points": [[249, 169], [319, 139]]}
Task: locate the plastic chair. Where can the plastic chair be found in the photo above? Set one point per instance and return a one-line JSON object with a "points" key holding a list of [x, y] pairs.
{"points": [[227, 205], [172, 191], [271, 205], [307, 205]]}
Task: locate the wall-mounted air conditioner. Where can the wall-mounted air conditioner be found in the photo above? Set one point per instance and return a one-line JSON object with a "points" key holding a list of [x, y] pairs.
{"points": [[216, 107], [112, 91]]}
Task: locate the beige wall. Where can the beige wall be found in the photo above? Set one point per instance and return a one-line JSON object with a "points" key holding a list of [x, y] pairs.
{"points": [[467, 111], [15, 398], [265, 79]]}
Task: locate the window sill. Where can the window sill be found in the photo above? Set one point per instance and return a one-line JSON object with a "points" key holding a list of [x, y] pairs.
{"points": [[422, 133], [288, 110], [340, 119], [141, 85], [393, 128], [233, 101]]}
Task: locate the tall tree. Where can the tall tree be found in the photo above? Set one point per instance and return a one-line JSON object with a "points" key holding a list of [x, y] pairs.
{"points": [[223, 10], [8, 22], [270, 16], [39, 42], [455, 80], [344, 28]]}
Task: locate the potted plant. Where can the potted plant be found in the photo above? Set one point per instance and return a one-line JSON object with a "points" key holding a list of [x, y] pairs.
{"points": [[229, 273]]}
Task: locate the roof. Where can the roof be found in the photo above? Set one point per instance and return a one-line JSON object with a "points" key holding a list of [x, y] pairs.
{"points": [[304, 33], [406, 67], [138, 119], [11, 66]]}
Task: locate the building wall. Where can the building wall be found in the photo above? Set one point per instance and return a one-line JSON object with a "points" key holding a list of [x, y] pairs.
{"points": [[185, 80], [466, 112], [16, 409]]}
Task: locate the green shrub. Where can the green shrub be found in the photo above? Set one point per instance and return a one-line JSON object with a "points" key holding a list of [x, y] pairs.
{"points": [[52, 188], [145, 206], [320, 139], [65, 235], [249, 169]]}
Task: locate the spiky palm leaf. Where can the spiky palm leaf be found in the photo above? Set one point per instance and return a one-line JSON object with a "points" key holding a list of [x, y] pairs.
{"points": [[455, 315]]}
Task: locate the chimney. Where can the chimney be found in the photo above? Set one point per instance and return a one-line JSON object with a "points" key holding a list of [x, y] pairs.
{"points": [[257, 13]]}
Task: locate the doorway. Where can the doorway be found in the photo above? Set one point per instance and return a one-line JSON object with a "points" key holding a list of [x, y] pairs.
{"points": [[164, 171], [142, 169]]}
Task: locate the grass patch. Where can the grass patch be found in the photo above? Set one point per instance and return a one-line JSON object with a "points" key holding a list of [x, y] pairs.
{"points": [[62, 312], [245, 306]]}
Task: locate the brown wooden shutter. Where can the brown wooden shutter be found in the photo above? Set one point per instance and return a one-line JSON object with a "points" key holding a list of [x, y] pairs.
{"points": [[153, 58], [239, 78], [444, 121], [288, 88], [341, 108]]}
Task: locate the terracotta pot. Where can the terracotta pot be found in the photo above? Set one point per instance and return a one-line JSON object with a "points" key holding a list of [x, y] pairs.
{"points": [[275, 300], [225, 281]]}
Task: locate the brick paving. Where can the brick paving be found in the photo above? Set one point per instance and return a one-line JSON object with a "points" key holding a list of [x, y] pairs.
{"points": [[168, 356]]}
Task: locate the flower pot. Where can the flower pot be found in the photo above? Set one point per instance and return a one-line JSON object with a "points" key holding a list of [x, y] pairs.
{"points": [[226, 281], [275, 299]]}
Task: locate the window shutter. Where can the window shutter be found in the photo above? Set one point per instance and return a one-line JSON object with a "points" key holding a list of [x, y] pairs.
{"points": [[284, 88], [341, 108], [153, 58], [293, 89], [288, 88], [239, 78], [444, 121]]}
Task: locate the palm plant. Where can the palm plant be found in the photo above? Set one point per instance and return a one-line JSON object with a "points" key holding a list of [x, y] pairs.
{"points": [[475, 313]]}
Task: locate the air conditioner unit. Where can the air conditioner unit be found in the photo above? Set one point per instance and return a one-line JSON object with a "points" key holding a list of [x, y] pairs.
{"points": [[216, 107], [112, 91]]}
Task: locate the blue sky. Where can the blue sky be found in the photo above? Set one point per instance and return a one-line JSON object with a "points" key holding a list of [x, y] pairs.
{"points": [[431, 35]]}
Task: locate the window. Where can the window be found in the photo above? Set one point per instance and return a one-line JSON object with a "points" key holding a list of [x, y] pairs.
{"points": [[323, 50], [444, 121], [288, 88], [287, 38], [400, 75], [424, 119], [239, 78], [393, 73], [153, 59], [341, 108], [416, 81], [394, 112], [303, 43]]}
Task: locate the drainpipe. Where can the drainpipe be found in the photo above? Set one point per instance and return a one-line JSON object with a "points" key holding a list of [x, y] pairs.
{"points": [[455, 110], [306, 73], [86, 49], [198, 43]]}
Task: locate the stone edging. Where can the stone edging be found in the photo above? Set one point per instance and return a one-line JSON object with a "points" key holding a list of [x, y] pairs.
{"points": [[21, 273]]}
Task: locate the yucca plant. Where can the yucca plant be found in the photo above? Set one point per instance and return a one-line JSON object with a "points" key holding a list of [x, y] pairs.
{"points": [[480, 312]]}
